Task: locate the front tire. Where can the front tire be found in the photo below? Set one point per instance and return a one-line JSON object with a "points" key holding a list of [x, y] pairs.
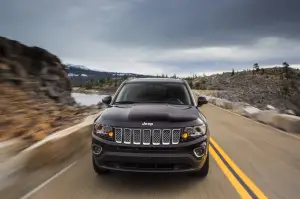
{"points": [[98, 170], [203, 172]]}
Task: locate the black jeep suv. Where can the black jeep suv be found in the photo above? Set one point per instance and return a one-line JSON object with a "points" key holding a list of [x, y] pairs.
{"points": [[151, 125]]}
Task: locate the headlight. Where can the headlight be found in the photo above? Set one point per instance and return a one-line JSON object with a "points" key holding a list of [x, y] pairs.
{"points": [[103, 131], [193, 132]]}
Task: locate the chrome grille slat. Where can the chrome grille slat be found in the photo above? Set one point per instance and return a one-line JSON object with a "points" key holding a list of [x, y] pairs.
{"points": [[127, 136], [156, 136], [175, 136], [137, 136], [147, 136], [118, 135], [166, 136]]}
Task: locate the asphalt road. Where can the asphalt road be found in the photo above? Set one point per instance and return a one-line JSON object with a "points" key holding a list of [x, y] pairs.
{"points": [[248, 160]]}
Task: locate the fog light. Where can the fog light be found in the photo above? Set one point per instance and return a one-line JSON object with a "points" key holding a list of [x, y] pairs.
{"points": [[96, 149], [200, 151]]}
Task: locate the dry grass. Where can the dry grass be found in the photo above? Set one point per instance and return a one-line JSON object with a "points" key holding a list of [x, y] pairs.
{"points": [[32, 118]]}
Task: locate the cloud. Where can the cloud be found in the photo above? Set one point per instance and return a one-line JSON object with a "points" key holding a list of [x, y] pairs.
{"points": [[154, 36], [261, 51], [176, 23]]}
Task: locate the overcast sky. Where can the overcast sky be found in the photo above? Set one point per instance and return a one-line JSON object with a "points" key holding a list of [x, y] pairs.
{"points": [[159, 36]]}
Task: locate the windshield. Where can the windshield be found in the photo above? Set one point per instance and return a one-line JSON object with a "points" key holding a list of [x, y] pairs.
{"points": [[171, 93]]}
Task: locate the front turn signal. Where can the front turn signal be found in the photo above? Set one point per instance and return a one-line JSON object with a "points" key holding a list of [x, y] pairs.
{"points": [[185, 135], [111, 134]]}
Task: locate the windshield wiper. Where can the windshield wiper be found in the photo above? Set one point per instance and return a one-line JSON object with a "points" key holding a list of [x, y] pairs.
{"points": [[125, 102]]}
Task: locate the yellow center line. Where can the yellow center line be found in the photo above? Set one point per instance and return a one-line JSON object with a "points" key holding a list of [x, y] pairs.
{"points": [[236, 184], [238, 187]]}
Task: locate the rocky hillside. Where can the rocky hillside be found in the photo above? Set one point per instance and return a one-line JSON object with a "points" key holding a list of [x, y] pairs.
{"points": [[34, 69], [35, 92], [279, 87]]}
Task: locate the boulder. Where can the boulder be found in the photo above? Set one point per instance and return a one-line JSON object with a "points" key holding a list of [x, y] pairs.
{"points": [[238, 107], [289, 112], [270, 107], [227, 104], [289, 123], [218, 102], [210, 99], [224, 103], [266, 117], [250, 112], [213, 100]]}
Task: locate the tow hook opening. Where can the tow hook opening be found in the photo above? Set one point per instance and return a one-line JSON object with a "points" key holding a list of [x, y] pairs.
{"points": [[200, 151], [96, 149]]}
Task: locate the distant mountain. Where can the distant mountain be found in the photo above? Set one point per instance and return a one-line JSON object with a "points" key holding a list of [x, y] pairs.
{"points": [[77, 66], [81, 74]]}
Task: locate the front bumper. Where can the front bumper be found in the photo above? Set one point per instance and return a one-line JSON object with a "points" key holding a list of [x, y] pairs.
{"points": [[132, 158]]}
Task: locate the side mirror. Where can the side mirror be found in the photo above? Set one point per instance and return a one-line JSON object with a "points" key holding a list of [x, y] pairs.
{"points": [[201, 101], [107, 100]]}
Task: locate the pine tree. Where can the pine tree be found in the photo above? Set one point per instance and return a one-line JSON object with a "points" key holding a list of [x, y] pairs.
{"points": [[256, 66], [286, 68]]}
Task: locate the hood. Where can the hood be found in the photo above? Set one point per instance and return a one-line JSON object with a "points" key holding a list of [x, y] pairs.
{"points": [[150, 113]]}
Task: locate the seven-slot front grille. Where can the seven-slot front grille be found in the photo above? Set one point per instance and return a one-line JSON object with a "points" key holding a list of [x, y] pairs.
{"points": [[147, 136]]}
